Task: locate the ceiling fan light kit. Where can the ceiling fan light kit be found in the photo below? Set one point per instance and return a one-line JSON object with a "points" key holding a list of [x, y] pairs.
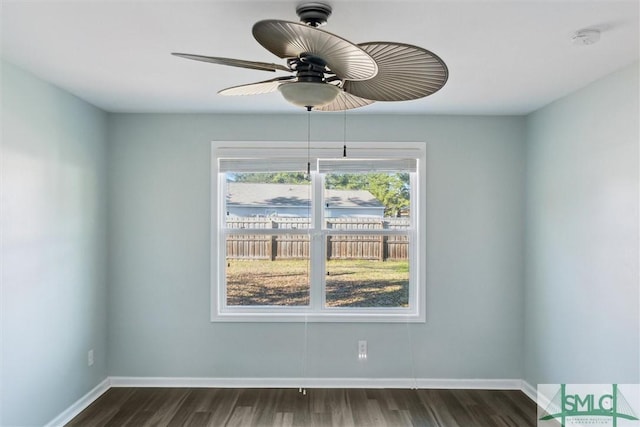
{"points": [[331, 73], [308, 94]]}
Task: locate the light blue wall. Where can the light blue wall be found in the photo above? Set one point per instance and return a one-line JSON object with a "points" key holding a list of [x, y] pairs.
{"points": [[581, 295], [53, 249], [159, 246]]}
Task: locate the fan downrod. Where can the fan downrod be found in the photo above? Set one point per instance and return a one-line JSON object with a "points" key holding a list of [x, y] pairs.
{"points": [[313, 14]]}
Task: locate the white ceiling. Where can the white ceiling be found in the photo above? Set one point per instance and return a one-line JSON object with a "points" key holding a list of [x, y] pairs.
{"points": [[504, 57]]}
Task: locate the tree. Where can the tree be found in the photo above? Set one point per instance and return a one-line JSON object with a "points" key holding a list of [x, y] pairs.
{"points": [[272, 177], [391, 189]]}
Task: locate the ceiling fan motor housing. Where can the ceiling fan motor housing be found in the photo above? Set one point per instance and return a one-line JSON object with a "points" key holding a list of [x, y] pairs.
{"points": [[311, 89], [309, 68], [313, 14]]}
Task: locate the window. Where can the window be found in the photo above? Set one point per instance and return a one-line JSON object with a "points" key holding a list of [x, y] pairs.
{"points": [[303, 234]]}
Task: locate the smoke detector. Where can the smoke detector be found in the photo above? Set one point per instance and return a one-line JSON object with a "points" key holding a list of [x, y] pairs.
{"points": [[585, 37]]}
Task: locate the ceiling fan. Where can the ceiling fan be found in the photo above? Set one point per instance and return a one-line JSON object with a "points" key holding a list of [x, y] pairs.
{"points": [[329, 73]]}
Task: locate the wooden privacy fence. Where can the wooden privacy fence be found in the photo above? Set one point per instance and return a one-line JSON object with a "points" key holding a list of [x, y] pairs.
{"points": [[296, 245]]}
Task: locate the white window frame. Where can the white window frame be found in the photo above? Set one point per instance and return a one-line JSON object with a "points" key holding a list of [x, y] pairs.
{"points": [[316, 311]]}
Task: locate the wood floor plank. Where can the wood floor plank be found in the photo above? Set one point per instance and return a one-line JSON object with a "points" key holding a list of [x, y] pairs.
{"points": [[335, 406], [198, 419], [192, 403], [221, 404], [458, 410], [437, 410], [178, 407], [283, 419], [508, 407], [240, 417], [375, 413], [163, 405]]}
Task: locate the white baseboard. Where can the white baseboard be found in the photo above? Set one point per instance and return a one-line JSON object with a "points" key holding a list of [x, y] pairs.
{"points": [[469, 384], [420, 383], [197, 382], [80, 405], [529, 390]]}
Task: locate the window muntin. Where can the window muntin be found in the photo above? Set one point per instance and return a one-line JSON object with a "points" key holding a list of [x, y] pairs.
{"points": [[294, 269]]}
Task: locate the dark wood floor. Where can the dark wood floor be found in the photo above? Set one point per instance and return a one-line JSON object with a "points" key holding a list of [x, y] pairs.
{"points": [[319, 407]]}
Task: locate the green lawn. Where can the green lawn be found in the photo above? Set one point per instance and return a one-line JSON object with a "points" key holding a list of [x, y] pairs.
{"points": [[349, 283]]}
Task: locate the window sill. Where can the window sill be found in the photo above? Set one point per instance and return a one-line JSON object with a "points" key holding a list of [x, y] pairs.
{"points": [[325, 317]]}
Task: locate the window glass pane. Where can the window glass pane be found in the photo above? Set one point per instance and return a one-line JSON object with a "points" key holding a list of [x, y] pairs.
{"points": [[367, 271], [267, 270], [267, 195], [367, 195]]}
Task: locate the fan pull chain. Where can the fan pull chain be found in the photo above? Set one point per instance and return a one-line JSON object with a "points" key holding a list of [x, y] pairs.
{"points": [[305, 342], [308, 140], [344, 138]]}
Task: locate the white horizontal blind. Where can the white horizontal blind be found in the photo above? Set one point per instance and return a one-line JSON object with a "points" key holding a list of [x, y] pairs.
{"points": [[293, 157], [347, 165], [263, 164]]}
